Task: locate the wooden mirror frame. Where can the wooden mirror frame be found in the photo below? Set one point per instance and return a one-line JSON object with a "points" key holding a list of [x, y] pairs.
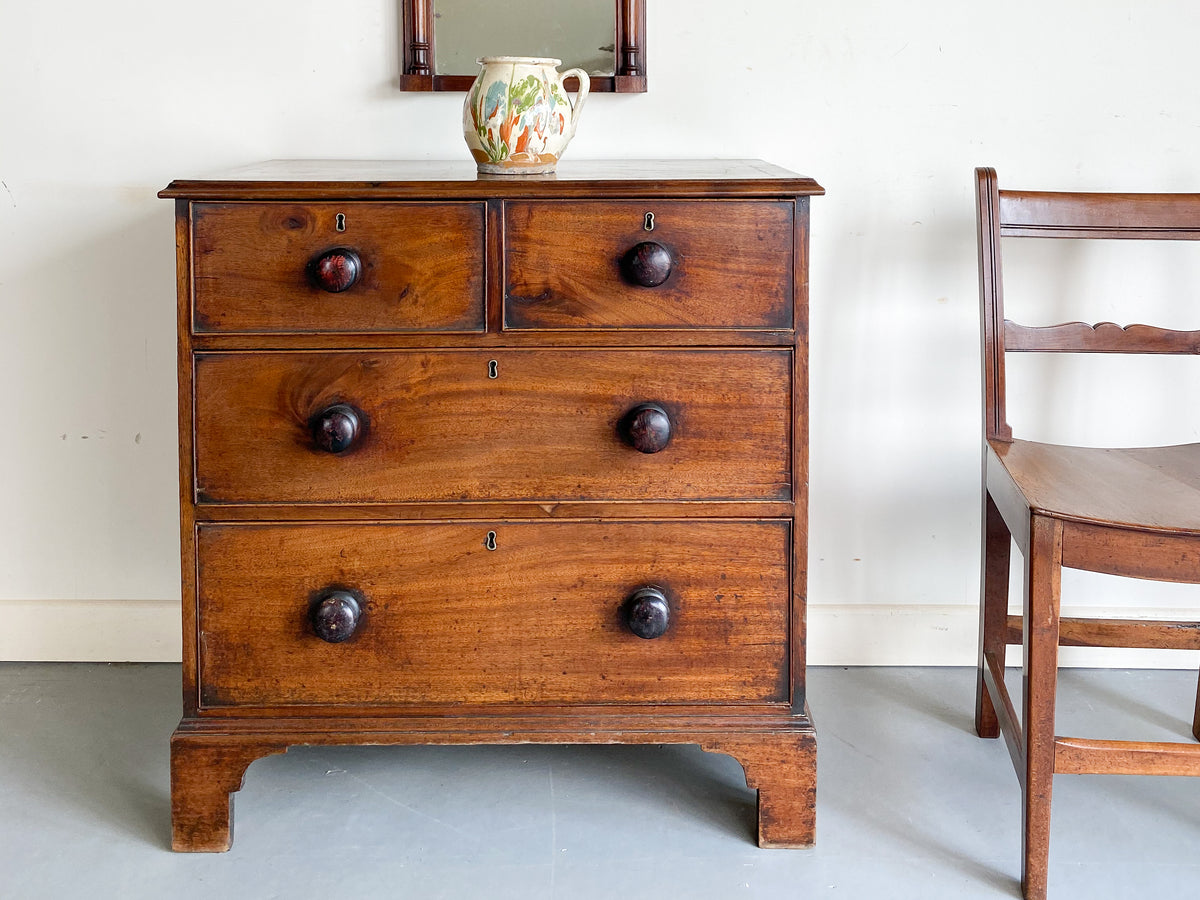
{"points": [[418, 69]]}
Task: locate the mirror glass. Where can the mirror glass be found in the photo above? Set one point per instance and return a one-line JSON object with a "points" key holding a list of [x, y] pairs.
{"points": [[579, 32]]}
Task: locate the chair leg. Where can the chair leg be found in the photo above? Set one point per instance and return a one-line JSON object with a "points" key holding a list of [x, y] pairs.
{"points": [[1043, 570], [1196, 716], [993, 611]]}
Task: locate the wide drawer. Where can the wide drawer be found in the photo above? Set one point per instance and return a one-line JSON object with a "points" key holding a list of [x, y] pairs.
{"points": [[722, 264], [540, 619], [545, 425], [284, 267]]}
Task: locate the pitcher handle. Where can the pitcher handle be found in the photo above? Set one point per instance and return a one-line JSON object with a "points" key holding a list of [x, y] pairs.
{"points": [[585, 85]]}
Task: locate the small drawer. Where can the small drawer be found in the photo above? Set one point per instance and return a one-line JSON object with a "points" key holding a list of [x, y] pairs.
{"points": [[348, 267], [671, 264], [508, 425], [494, 613]]}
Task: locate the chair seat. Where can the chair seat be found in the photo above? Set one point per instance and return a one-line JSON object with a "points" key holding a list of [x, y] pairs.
{"points": [[1146, 488]]}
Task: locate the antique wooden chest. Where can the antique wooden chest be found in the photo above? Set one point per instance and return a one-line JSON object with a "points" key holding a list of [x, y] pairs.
{"points": [[490, 460]]}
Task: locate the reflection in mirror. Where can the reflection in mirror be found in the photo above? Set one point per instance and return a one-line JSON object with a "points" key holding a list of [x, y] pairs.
{"points": [[579, 32]]}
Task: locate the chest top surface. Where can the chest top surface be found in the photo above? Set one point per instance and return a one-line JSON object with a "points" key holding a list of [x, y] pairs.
{"points": [[398, 179]]}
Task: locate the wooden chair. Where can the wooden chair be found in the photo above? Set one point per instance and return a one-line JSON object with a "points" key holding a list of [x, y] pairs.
{"points": [[1123, 512]]}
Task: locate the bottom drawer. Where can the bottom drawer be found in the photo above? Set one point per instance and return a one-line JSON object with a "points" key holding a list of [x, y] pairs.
{"points": [[543, 618]]}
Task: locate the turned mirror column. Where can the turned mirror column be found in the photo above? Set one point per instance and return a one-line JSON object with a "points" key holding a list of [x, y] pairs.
{"points": [[421, 70]]}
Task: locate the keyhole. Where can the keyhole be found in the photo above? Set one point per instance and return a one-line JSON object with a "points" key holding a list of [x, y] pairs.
{"points": [[649, 221], [490, 540], [493, 369], [340, 220]]}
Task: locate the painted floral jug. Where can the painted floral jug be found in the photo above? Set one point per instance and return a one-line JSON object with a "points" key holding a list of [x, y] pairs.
{"points": [[517, 118]]}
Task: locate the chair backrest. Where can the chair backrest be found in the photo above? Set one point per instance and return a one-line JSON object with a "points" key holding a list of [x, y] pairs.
{"points": [[1041, 214]]}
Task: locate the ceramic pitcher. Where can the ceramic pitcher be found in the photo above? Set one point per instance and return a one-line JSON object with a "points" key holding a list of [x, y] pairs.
{"points": [[517, 118]]}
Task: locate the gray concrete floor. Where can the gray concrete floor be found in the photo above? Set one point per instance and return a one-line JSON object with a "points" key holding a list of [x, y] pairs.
{"points": [[911, 804]]}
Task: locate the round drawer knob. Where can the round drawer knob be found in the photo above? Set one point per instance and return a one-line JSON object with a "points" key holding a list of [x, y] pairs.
{"points": [[336, 428], [335, 270], [335, 616], [648, 264], [646, 428], [647, 613]]}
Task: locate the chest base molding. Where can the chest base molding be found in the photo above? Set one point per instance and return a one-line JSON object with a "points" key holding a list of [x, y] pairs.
{"points": [[209, 758]]}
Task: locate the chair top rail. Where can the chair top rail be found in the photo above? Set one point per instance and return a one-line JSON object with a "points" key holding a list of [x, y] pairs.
{"points": [[1104, 337], [1057, 214]]}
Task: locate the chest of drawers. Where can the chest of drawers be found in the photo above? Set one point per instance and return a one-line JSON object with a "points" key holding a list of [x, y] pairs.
{"points": [[493, 460]]}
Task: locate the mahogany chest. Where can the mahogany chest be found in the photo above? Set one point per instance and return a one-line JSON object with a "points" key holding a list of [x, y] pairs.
{"points": [[470, 459]]}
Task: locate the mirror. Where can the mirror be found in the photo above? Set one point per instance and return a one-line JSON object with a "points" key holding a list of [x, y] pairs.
{"points": [[468, 29], [443, 38]]}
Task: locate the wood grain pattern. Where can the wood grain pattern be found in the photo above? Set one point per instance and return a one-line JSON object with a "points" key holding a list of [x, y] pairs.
{"points": [[1006, 714], [1156, 488], [800, 474], [587, 180], [205, 772], [1039, 683], [991, 303], [498, 338], [1129, 512], [1140, 633], [1013, 506], [731, 265], [783, 771], [422, 267], [992, 614], [441, 429], [538, 620], [778, 754], [487, 509], [1131, 553], [1063, 214], [444, 462], [1083, 756], [1103, 337], [187, 475]]}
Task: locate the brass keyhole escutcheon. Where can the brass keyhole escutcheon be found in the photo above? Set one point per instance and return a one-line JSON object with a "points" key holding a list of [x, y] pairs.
{"points": [[340, 221], [490, 540], [493, 369], [649, 225]]}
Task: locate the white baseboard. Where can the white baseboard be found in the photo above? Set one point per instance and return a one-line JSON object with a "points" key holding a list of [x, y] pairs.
{"points": [[838, 635], [90, 631]]}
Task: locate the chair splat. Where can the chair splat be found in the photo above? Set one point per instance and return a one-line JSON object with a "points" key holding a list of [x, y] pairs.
{"points": [[1103, 337]]}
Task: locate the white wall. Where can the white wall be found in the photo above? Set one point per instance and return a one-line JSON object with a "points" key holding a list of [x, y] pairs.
{"points": [[889, 105]]}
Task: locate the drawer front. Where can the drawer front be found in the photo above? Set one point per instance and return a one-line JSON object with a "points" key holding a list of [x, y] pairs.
{"points": [[722, 264], [285, 267], [545, 425], [541, 619]]}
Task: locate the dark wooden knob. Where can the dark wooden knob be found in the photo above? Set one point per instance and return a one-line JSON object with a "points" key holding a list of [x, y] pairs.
{"points": [[647, 613], [646, 428], [648, 264], [335, 270], [336, 427], [335, 616]]}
